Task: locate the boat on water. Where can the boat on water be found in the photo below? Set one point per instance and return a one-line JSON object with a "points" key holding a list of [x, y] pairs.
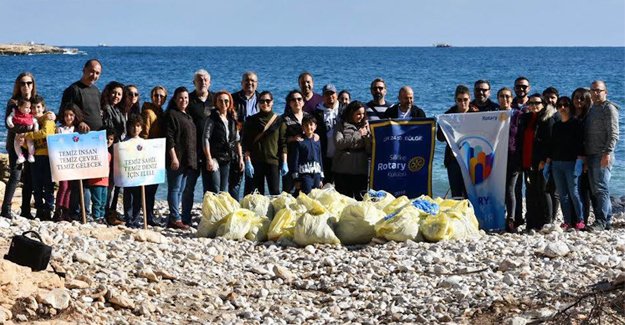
{"points": [[102, 45], [442, 45]]}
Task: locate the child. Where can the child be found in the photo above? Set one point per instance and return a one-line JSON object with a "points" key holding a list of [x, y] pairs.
{"points": [[43, 187], [72, 116], [98, 186], [22, 117], [308, 164], [132, 195]]}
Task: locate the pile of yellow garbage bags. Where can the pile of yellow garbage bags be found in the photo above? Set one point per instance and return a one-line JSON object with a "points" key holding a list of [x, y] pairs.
{"points": [[328, 217]]}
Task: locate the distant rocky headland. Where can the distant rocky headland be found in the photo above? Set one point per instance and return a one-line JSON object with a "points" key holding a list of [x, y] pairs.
{"points": [[34, 48]]}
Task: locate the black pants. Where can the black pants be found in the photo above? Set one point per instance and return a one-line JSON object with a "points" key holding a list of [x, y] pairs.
{"points": [[16, 172], [514, 195], [456, 181], [586, 194], [269, 172], [328, 175], [150, 194], [537, 200], [353, 186]]}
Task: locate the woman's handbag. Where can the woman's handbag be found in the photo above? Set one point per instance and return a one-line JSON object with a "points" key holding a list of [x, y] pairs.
{"points": [[26, 251]]}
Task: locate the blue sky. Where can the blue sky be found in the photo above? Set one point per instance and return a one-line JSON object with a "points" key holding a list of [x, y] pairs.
{"points": [[315, 23]]}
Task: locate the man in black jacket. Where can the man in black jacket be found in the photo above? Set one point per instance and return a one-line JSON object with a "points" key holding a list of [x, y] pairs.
{"points": [[245, 105], [405, 109], [481, 92]]}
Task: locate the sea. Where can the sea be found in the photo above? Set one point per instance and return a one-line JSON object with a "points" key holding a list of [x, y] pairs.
{"points": [[432, 72]]}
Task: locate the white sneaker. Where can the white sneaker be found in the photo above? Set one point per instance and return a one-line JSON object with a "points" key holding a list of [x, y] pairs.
{"points": [[31, 159], [20, 160]]}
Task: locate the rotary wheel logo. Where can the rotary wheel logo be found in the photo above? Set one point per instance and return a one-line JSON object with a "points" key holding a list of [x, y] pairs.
{"points": [[416, 163], [75, 138], [139, 147]]}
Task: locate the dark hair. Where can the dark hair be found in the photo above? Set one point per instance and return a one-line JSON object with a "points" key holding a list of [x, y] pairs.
{"points": [[289, 96], [136, 106], [461, 89], [90, 61], [266, 92], [105, 99], [172, 101], [38, 100], [111, 131], [309, 119], [376, 80], [551, 90], [481, 81], [22, 101], [536, 95], [502, 90], [585, 93], [345, 91], [78, 116], [16, 86], [520, 78], [566, 101], [303, 74], [133, 120], [350, 109]]}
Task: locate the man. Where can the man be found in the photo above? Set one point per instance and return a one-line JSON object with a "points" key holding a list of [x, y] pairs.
{"points": [[481, 92], [200, 107], [405, 109], [601, 134], [245, 105], [327, 115], [306, 85], [550, 96], [86, 96], [376, 108], [522, 89]]}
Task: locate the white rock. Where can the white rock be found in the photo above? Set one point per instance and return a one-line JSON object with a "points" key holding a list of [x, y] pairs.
{"points": [[283, 273], [453, 281], [83, 257], [556, 249], [57, 298]]}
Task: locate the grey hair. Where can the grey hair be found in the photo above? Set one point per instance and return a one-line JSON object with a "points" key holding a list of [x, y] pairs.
{"points": [[201, 72], [248, 74]]}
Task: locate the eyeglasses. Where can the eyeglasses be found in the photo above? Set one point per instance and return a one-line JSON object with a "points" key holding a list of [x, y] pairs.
{"points": [[521, 86], [265, 101], [378, 88], [160, 95], [534, 103], [298, 99], [26, 83], [133, 94], [597, 90], [483, 90]]}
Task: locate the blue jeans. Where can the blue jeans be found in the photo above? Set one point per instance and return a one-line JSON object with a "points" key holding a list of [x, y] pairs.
{"points": [[98, 201], [189, 189], [599, 179], [308, 182], [218, 180], [43, 187], [16, 172], [566, 185], [176, 181]]}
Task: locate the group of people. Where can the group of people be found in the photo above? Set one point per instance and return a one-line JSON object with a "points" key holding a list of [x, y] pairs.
{"points": [[562, 147]]}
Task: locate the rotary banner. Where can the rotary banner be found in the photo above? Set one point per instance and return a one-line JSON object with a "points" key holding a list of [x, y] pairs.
{"points": [[479, 142], [77, 156], [401, 160], [139, 162]]}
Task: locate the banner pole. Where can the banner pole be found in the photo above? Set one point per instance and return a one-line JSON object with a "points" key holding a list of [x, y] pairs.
{"points": [[145, 210], [82, 203]]}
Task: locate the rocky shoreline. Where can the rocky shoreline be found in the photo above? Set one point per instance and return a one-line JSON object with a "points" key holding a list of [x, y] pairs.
{"points": [[33, 48]]}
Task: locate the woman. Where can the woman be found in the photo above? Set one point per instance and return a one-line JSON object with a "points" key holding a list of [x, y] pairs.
{"points": [[130, 104], [221, 142], [344, 98], [564, 160], [292, 120], [532, 137], [265, 146], [113, 118], [352, 141], [582, 101], [152, 114], [181, 159], [514, 200], [462, 97], [23, 88]]}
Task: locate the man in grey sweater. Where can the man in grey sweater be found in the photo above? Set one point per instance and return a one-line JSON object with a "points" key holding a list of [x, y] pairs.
{"points": [[601, 133]]}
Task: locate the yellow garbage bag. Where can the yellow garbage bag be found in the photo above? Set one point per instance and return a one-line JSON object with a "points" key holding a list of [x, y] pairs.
{"points": [[332, 200], [282, 201], [380, 198], [243, 224], [402, 226], [398, 203], [282, 225], [312, 206], [258, 203], [455, 220], [315, 229], [214, 208], [357, 223]]}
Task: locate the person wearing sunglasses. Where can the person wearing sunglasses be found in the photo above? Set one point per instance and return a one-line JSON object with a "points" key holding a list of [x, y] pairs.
{"points": [[582, 102], [264, 145], [601, 134], [522, 88], [481, 92], [533, 138], [377, 106], [564, 158], [292, 120]]}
